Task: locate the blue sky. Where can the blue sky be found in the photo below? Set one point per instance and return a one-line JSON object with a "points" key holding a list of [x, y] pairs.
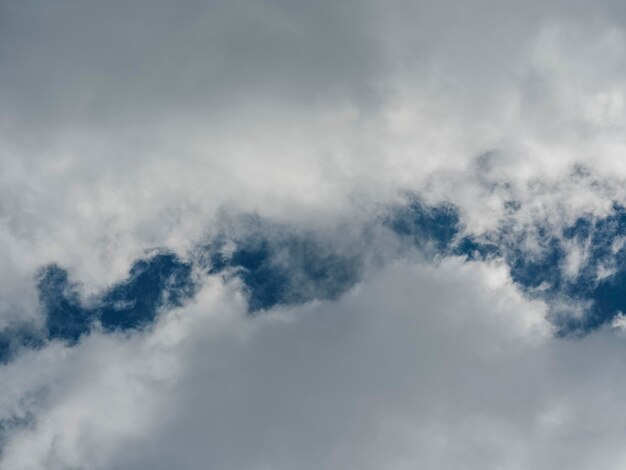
{"points": [[328, 235]]}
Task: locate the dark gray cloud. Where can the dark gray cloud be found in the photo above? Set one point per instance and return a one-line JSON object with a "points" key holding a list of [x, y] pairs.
{"points": [[119, 64]]}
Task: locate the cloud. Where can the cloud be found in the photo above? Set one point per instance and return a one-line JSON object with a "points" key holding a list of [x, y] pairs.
{"points": [[420, 365], [130, 125], [487, 134]]}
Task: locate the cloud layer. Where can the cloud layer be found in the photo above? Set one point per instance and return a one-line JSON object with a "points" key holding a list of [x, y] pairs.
{"points": [[434, 366], [288, 234]]}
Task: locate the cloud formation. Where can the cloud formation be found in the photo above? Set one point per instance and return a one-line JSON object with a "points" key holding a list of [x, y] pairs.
{"points": [[420, 365], [291, 234]]}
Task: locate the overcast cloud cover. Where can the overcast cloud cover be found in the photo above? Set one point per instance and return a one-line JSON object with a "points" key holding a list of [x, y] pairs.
{"points": [[294, 234]]}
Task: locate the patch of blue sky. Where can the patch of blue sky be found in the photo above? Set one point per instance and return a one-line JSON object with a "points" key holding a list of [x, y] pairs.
{"points": [[158, 281], [282, 269], [581, 264], [432, 229], [278, 265]]}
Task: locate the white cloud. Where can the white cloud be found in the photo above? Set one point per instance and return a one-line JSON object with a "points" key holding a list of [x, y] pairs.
{"points": [[136, 128], [419, 366], [130, 125]]}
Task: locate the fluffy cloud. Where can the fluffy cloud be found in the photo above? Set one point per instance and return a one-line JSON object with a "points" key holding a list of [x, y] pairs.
{"points": [[129, 125], [437, 366], [126, 126]]}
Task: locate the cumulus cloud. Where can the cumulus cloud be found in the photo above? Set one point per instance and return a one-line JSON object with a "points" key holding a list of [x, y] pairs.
{"points": [[437, 366], [128, 126]]}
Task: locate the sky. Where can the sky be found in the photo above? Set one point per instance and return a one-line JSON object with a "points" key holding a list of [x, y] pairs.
{"points": [[326, 235]]}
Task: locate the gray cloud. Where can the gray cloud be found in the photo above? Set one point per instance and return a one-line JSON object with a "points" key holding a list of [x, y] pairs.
{"points": [[113, 64], [400, 373], [126, 125], [130, 125]]}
